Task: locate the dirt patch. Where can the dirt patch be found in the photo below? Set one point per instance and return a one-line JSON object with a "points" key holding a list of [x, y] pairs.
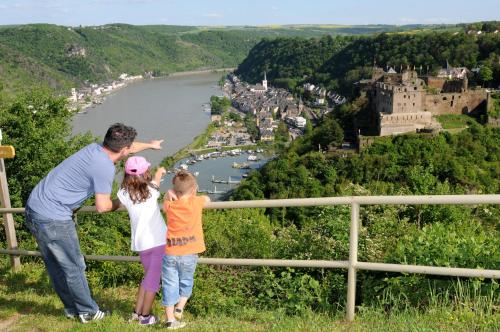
{"points": [[5, 324]]}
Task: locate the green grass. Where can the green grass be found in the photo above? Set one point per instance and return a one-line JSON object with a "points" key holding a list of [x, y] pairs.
{"points": [[494, 110], [455, 121], [28, 303]]}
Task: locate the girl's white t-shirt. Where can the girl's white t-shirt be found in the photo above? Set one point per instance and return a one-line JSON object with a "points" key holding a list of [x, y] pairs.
{"points": [[148, 228]]}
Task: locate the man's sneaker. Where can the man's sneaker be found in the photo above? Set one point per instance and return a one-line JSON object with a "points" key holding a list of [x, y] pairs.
{"points": [[133, 317], [85, 318], [148, 320], [69, 314], [178, 313], [174, 325]]}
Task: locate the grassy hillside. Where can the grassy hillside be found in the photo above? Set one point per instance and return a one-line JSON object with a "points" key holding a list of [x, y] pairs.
{"points": [[28, 303]]}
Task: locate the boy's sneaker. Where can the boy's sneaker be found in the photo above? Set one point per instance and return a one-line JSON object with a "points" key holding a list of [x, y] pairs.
{"points": [[133, 317], [174, 325], [148, 320], [178, 313], [85, 318]]}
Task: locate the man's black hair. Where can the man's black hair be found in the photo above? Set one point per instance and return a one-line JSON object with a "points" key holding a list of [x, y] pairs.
{"points": [[119, 136]]}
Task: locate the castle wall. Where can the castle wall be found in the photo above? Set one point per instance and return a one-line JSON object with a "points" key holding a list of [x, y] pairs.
{"points": [[401, 103], [383, 98], [435, 82], [444, 85], [455, 103], [396, 129], [391, 124], [456, 86], [407, 100]]}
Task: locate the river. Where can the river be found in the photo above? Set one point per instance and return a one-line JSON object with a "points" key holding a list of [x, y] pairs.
{"points": [[167, 108], [171, 109]]}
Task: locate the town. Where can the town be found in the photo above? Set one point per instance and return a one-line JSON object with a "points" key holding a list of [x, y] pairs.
{"points": [[267, 107], [94, 94], [398, 102]]}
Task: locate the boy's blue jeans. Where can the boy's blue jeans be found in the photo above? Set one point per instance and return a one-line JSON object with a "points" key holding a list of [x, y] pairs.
{"points": [[58, 243], [177, 278]]}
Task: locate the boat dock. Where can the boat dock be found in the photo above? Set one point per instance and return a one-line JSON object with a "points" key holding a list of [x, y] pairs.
{"points": [[228, 181]]}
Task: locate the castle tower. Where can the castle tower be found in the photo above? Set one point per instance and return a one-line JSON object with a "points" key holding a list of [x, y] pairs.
{"points": [[264, 81]]}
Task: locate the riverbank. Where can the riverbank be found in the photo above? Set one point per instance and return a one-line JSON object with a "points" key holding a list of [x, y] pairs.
{"points": [[195, 72], [197, 143], [84, 98]]}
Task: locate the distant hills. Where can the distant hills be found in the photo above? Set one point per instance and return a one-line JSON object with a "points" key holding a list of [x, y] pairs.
{"points": [[63, 57]]}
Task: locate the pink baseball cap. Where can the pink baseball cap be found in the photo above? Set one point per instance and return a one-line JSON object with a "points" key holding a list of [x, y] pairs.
{"points": [[136, 165]]}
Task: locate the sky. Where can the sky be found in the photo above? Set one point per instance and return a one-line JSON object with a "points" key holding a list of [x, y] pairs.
{"points": [[247, 12]]}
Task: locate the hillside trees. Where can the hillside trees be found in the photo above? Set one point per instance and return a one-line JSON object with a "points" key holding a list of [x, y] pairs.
{"points": [[38, 126], [337, 63]]}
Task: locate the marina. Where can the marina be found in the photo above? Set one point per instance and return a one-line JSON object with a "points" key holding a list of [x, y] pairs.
{"points": [[215, 174]]}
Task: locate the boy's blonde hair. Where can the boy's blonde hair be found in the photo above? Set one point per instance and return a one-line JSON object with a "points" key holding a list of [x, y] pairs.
{"points": [[183, 182]]}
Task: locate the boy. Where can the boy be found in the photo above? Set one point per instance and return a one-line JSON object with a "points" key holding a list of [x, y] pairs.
{"points": [[184, 242]]}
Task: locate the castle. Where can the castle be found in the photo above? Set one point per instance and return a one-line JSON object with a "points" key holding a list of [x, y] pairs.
{"points": [[404, 102]]}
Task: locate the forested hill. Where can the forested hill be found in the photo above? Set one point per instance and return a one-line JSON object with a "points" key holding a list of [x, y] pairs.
{"points": [[43, 54], [340, 61], [63, 57]]}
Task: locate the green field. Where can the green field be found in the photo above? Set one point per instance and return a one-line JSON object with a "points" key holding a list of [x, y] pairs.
{"points": [[455, 121]]}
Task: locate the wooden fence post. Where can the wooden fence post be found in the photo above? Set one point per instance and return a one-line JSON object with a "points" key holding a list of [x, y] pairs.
{"points": [[8, 220]]}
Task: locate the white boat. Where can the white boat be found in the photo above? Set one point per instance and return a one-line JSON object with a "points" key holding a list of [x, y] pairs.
{"points": [[252, 157], [184, 167], [200, 157]]}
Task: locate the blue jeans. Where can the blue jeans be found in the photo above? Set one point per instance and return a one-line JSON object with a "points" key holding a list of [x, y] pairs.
{"points": [[58, 243], [177, 278]]}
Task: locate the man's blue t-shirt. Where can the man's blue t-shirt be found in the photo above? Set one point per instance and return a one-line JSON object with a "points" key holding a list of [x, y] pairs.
{"points": [[77, 178]]}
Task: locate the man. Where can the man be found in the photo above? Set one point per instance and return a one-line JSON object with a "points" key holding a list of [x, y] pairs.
{"points": [[50, 208]]}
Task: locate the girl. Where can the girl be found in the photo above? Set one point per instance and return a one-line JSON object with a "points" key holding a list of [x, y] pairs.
{"points": [[139, 194]]}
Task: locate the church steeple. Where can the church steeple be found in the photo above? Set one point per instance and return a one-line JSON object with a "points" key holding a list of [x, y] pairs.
{"points": [[264, 81]]}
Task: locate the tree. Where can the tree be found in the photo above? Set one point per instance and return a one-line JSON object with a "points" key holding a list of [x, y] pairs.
{"points": [[219, 105], [38, 126], [234, 117], [486, 74], [328, 133]]}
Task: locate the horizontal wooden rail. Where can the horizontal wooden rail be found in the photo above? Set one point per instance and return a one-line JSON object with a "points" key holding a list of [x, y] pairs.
{"points": [[401, 268], [323, 201]]}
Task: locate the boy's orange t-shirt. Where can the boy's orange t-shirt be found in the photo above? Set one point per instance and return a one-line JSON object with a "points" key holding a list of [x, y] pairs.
{"points": [[184, 232]]}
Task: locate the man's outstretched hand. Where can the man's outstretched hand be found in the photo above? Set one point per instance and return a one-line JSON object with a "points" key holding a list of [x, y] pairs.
{"points": [[156, 144]]}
